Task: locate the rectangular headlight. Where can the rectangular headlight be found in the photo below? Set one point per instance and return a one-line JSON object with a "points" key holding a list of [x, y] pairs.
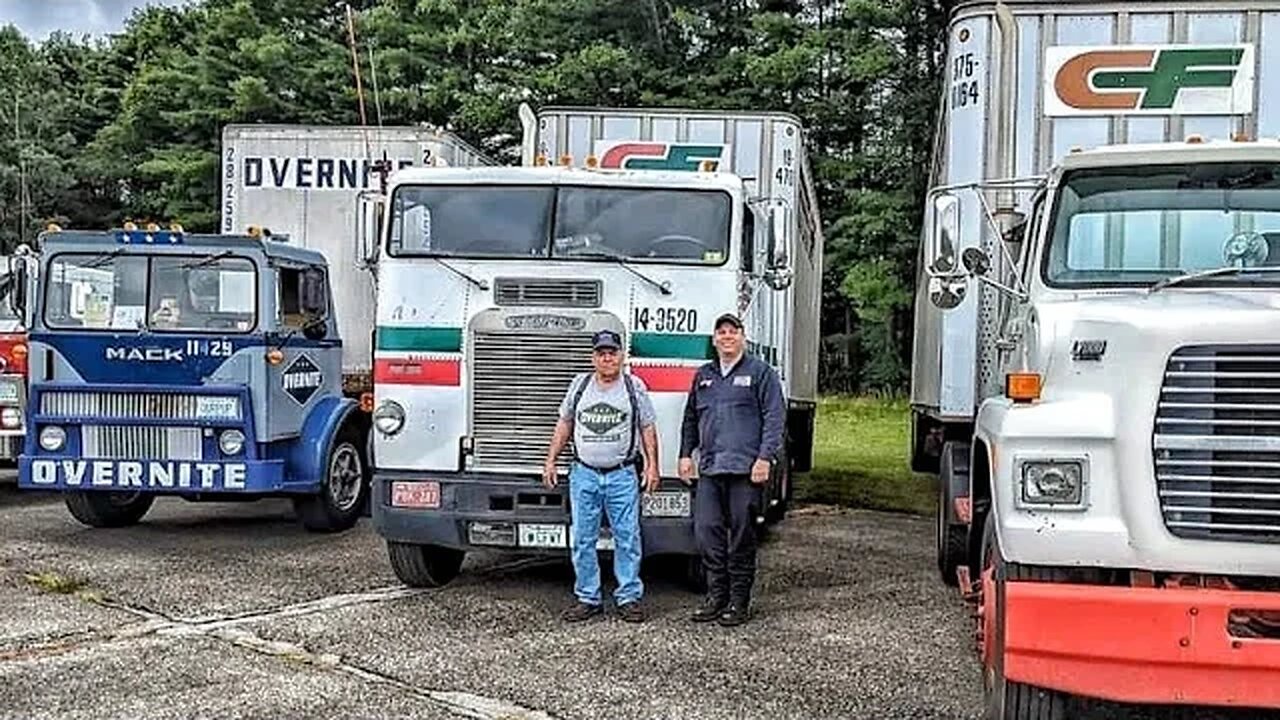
{"points": [[1051, 483], [9, 391]]}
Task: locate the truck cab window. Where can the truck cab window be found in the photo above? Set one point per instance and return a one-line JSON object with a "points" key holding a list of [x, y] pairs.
{"points": [[289, 298]]}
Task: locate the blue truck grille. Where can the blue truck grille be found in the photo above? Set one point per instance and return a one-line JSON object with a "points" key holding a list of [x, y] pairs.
{"points": [[119, 405], [141, 442]]}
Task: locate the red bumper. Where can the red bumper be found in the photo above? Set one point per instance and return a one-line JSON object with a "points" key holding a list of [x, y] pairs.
{"points": [[1140, 645]]}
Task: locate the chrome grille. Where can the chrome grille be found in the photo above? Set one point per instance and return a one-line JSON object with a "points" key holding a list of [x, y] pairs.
{"points": [[1217, 443], [114, 405], [518, 380], [141, 442], [547, 293]]}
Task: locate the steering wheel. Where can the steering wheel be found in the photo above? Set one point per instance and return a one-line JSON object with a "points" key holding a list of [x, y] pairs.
{"points": [[702, 247]]}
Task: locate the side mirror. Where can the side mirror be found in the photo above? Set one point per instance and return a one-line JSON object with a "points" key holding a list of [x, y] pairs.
{"points": [[370, 210], [315, 293], [943, 235], [779, 274], [975, 260], [18, 280]]}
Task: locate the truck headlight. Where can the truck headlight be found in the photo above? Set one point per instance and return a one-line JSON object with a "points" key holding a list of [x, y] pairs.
{"points": [[52, 438], [1053, 482], [10, 418], [389, 417], [231, 442]]}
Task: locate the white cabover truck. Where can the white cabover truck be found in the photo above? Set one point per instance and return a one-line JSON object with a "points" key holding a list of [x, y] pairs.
{"points": [[303, 181], [491, 282], [1097, 350]]}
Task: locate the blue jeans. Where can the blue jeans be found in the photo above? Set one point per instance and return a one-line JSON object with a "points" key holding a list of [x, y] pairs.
{"points": [[618, 494]]}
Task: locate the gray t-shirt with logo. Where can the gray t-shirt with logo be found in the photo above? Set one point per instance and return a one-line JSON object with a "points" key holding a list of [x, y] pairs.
{"points": [[602, 423]]}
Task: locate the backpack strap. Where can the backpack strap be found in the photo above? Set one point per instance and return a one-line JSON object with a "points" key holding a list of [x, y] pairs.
{"points": [[635, 416]]}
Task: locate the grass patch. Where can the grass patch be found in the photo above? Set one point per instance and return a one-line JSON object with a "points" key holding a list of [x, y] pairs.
{"points": [[861, 457], [52, 582]]}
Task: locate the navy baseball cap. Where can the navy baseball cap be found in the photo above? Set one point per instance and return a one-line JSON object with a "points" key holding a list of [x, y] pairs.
{"points": [[606, 339], [728, 318]]}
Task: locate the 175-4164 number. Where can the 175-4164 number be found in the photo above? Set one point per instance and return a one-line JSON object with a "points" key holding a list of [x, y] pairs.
{"points": [[666, 319]]}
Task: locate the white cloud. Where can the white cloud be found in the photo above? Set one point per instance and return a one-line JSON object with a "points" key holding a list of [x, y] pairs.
{"points": [[38, 18]]}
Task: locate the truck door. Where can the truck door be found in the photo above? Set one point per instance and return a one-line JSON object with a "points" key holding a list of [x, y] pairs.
{"points": [[310, 368]]}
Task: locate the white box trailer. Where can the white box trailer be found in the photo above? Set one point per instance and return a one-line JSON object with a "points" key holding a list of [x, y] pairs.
{"points": [[766, 149], [303, 180]]}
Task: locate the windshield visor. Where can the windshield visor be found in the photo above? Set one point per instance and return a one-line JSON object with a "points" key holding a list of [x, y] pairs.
{"points": [[1136, 226], [640, 224], [164, 294]]}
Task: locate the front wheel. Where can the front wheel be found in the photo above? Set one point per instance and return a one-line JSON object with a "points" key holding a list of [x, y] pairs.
{"points": [[108, 509], [343, 489], [426, 566], [1006, 699]]}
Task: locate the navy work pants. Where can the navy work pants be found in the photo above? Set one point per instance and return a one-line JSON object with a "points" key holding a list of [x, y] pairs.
{"points": [[724, 526]]}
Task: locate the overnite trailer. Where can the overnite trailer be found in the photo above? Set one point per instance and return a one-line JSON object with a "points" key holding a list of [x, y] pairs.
{"points": [[303, 181], [1097, 352], [492, 281]]}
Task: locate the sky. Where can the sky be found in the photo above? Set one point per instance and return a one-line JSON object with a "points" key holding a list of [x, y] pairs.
{"points": [[37, 18]]}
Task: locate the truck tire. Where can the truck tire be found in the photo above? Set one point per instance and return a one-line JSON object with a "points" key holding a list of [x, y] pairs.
{"points": [[951, 537], [1004, 698], [108, 509], [343, 489], [424, 566]]}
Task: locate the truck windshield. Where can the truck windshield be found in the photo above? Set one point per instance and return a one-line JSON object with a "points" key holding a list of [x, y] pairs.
{"points": [[161, 293], [1140, 225], [689, 226]]}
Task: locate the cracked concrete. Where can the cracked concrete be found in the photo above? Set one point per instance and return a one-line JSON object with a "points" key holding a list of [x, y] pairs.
{"points": [[232, 611]]}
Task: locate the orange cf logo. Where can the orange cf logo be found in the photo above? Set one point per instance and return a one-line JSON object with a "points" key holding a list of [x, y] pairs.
{"points": [[1143, 79]]}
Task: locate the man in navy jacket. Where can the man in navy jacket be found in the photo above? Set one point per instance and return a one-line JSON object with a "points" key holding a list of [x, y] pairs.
{"points": [[735, 419]]}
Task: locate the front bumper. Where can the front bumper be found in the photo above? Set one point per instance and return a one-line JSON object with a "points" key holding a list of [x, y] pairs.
{"points": [[486, 511], [1140, 645], [247, 477]]}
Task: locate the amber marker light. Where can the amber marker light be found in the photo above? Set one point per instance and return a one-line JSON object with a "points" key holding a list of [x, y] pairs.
{"points": [[275, 357], [1022, 387]]}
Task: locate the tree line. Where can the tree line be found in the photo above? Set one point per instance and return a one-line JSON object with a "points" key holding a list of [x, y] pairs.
{"points": [[94, 132]]}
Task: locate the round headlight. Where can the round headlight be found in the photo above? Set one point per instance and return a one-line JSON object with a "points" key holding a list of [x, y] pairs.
{"points": [[10, 418], [231, 442], [52, 438], [389, 417]]}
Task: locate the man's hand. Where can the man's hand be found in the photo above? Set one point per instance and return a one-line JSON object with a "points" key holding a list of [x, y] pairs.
{"points": [[760, 472], [651, 479], [686, 470], [549, 473]]}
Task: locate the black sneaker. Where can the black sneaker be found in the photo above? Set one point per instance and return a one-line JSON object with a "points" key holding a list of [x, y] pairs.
{"points": [[735, 614], [709, 610], [581, 611], [631, 612]]}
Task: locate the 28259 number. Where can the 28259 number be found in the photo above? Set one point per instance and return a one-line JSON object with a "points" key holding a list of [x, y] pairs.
{"points": [[666, 319]]}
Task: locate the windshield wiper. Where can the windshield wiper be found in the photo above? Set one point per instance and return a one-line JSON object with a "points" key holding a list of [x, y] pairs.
{"points": [[663, 287], [210, 258], [1215, 272], [478, 283]]}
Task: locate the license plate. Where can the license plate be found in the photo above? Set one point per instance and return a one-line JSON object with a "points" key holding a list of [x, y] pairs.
{"points": [[415, 494], [666, 504], [217, 407], [543, 536]]}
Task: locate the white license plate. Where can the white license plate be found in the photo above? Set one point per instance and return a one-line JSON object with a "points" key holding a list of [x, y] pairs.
{"points": [[217, 407], [666, 504], [543, 536]]}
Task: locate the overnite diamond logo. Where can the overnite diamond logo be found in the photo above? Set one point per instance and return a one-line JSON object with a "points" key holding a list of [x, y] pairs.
{"points": [[629, 155], [1149, 80]]}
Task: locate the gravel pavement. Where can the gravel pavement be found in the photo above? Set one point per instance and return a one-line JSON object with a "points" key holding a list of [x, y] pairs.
{"points": [[233, 611]]}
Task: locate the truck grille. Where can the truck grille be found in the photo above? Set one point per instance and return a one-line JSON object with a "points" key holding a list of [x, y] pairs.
{"points": [[141, 442], [1217, 443], [518, 381], [547, 293], [116, 405]]}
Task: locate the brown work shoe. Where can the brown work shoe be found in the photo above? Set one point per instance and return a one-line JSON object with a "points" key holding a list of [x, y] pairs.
{"points": [[631, 612], [581, 611]]}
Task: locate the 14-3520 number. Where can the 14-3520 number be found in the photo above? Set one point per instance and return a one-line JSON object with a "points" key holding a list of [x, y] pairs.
{"points": [[666, 319]]}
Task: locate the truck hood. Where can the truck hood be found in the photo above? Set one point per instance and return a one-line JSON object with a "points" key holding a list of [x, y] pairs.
{"points": [[1142, 330]]}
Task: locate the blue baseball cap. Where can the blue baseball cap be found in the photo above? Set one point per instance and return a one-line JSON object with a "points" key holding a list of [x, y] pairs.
{"points": [[606, 339]]}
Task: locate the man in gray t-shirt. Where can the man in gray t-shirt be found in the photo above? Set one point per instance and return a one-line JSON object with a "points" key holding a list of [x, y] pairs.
{"points": [[611, 419]]}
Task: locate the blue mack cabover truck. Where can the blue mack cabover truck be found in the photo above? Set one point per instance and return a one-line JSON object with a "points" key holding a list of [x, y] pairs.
{"points": [[200, 366]]}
